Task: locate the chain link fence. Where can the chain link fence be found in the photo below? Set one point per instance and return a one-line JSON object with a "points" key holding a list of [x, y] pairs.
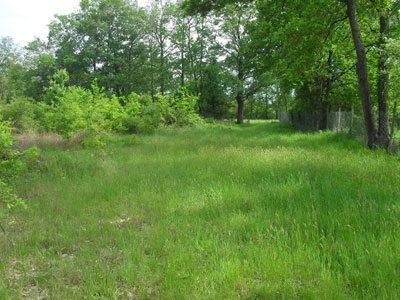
{"points": [[340, 121]]}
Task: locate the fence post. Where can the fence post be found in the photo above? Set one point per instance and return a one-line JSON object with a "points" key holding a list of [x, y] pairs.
{"points": [[340, 114]]}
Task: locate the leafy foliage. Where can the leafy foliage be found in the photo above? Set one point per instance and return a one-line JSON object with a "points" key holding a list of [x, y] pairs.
{"points": [[179, 108], [20, 113], [69, 110], [12, 165]]}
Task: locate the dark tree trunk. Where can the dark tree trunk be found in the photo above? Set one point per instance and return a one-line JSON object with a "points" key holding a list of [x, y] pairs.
{"points": [[383, 86], [320, 100], [240, 102], [362, 73], [239, 95]]}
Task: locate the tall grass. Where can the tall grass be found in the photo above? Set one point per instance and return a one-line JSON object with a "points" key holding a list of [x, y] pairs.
{"points": [[220, 212]]}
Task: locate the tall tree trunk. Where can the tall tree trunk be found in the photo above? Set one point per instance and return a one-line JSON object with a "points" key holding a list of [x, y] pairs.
{"points": [[162, 83], [251, 110], [320, 82], [383, 85], [152, 74], [182, 67], [239, 95], [240, 103], [192, 67], [201, 69], [362, 73], [323, 124], [278, 102]]}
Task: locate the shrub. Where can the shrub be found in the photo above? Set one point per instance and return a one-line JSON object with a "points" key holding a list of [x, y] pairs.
{"points": [[145, 126], [104, 114], [152, 115], [68, 116], [42, 116], [57, 88], [12, 164], [68, 110], [141, 114], [93, 141], [77, 109], [179, 108], [20, 112], [133, 109]]}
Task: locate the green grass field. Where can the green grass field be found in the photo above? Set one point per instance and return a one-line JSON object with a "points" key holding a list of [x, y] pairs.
{"points": [[219, 212]]}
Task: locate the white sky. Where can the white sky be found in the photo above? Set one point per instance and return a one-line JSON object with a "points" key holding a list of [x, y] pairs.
{"points": [[23, 20]]}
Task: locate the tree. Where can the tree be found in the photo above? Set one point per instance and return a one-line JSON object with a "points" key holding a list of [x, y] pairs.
{"points": [[103, 40], [10, 64], [236, 45], [160, 17], [40, 65], [384, 8]]}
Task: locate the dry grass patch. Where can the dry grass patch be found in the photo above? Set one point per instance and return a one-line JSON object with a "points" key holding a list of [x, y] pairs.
{"points": [[47, 140]]}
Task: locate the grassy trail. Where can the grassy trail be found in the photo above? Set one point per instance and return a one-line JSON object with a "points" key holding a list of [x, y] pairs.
{"points": [[220, 212]]}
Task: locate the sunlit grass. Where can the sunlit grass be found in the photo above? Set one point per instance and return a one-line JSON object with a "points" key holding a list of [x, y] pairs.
{"points": [[221, 212]]}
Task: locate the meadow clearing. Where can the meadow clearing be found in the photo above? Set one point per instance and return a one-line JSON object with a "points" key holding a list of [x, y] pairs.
{"points": [[257, 211]]}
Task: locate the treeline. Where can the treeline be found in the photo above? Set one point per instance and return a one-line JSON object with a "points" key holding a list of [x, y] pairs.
{"points": [[239, 58]]}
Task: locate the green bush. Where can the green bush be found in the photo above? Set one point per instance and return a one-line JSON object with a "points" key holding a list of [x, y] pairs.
{"points": [[93, 142], [133, 108], [179, 108], [68, 110], [68, 116], [56, 91], [43, 116], [145, 126], [141, 114], [152, 114], [20, 112], [104, 113], [77, 109], [12, 164]]}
